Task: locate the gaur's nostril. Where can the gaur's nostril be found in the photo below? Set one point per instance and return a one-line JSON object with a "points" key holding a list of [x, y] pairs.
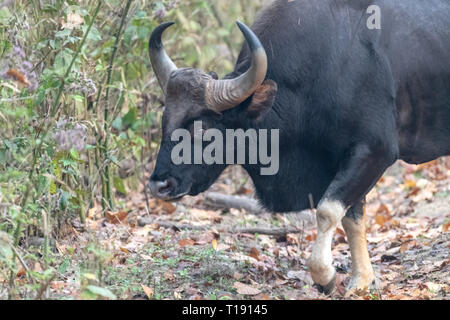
{"points": [[162, 188]]}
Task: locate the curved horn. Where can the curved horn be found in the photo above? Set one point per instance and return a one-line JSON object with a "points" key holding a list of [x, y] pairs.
{"points": [[226, 94], [161, 63]]}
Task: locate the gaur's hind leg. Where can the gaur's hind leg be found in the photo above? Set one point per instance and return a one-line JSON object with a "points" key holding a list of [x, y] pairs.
{"points": [[362, 271], [358, 174]]}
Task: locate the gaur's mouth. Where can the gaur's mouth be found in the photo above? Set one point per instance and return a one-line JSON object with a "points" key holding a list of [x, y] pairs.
{"points": [[174, 198]]}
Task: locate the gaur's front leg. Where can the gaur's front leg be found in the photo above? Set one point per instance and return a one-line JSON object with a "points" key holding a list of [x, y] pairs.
{"points": [[362, 271], [358, 174]]}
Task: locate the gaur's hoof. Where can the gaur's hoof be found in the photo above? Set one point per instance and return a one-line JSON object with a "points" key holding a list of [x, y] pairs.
{"points": [[329, 288], [359, 287]]}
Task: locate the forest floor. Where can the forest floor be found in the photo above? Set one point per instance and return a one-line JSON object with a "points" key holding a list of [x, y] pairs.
{"points": [[187, 250]]}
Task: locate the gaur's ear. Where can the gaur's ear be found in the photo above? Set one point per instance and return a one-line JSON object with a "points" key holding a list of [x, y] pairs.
{"points": [[262, 100], [213, 75]]}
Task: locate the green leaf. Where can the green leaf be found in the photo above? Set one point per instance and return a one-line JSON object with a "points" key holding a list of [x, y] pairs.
{"points": [[5, 249], [101, 291], [117, 123], [5, 16], [5, 45], [64, 266], [119, 185], [63, 200], [74, 154], [78, 98], [40, 97], [52, 187], [94, 34], [63, 33], [130, 118], [114, 160]]}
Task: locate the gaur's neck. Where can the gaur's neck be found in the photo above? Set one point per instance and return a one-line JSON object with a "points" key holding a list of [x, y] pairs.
{"points": [[301, 172]]}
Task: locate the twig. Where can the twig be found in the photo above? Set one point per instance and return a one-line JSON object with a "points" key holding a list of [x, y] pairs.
{"points": [[268, 231], [147, 198], [142, 166], [311, 201], [44, 287], [219, 200], [23, 263], [271, 232]]}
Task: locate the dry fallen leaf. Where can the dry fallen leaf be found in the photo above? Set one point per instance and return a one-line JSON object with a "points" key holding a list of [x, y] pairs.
{"points": [[18, 76], [169, 276], [262, 296], [186, 242], [244, 191], [279, 282], [382, 215], [156, 206], [386, 181], [125, 250], [445, 227], [276, 252], [311, 236], [204, 238], [153, 203], [57, 285], [205, 214], [408, 245], [409, 184], [223, 247], [92, 212], [214, 244], [245, 289], [146, 257], [298, 275], [148, 291], [21, 273], [426, 193], [116, 217], [73, 20], [292, 238], [254, 253], [167, 207]]}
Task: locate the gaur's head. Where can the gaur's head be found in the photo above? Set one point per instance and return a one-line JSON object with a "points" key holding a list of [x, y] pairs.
{"points": [[193, 95]]}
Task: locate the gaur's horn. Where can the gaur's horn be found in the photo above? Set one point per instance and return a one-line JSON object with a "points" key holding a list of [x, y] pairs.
{"points": [[226, 94], [161, 63]]}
